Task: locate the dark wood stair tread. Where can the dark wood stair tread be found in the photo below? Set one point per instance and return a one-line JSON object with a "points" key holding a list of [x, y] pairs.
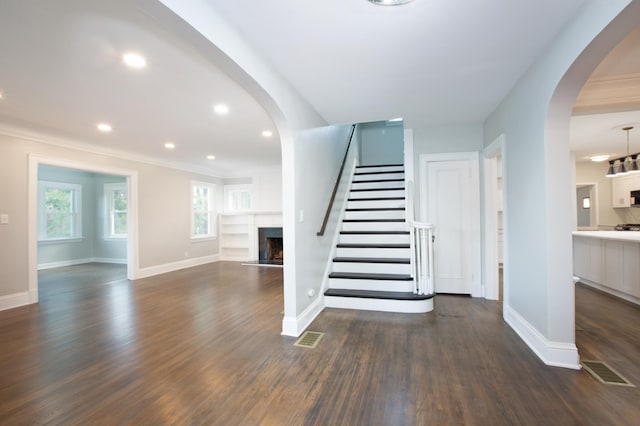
{"points": [[398, 260], [371, 294], [377, 189], [374, 245], [365, 276], [374, 232], [376, 199], [378, 180]]}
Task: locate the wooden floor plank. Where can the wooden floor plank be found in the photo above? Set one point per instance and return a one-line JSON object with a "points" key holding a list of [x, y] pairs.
{"points": [[203, 346]]}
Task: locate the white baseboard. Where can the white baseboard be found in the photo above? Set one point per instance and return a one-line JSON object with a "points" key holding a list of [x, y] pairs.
{"points": [[294, 326], [72, 262], [557, 354], [14, 300], [175, 266]]}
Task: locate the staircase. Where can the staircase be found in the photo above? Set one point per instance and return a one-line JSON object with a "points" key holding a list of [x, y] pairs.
{"points": [[372, 269]]}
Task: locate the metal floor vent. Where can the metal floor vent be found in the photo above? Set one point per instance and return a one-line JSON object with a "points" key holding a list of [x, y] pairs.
{"points": [[605, 374], [309, 339]]}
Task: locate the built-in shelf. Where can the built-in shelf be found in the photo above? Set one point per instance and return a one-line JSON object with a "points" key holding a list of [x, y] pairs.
{"points": [[239, 233]]}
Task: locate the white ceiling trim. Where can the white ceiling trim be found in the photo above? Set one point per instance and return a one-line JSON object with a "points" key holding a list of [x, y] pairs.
{"points": [[28, 135]]}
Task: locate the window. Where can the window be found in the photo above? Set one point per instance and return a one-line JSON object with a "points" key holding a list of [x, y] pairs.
{"points": [[202, 214], [238, 197], [59, 212], [116, 205]]}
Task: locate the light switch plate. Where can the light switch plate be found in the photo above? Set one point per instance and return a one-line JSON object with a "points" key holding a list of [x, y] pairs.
{"points": [[4, 219]]}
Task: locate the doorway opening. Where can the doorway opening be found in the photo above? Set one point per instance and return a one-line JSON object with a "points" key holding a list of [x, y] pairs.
{"points": [[80, 213], [82, 220], [587, 206]]}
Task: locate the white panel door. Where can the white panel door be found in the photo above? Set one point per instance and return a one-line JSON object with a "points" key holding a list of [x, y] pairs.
{"points": [[449, 209]]}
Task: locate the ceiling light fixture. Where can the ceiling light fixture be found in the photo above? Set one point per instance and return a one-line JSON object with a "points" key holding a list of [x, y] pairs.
{"points": [[624, 165], [169, 145], [267, 133], [599, 158], [134, 60], [390, 2], [211, 157], [104, 127], [221, 109]]}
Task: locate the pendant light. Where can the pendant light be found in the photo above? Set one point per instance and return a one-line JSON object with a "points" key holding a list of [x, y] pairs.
{"points": [[627, 164]]}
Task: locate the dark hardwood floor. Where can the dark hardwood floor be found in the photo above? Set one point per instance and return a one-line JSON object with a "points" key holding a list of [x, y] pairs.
{"points": [[203, 346]]}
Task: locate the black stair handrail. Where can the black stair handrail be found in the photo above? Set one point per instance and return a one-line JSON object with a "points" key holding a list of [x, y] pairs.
{"points": [[335, 187]]}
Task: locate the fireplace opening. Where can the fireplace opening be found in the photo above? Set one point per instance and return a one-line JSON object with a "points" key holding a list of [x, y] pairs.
{"points": [[270, 250]]}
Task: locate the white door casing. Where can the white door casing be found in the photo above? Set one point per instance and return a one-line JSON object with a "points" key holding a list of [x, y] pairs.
{"points": [[450, 199]]}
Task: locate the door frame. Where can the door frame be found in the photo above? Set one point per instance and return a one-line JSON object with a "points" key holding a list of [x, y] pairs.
{"points": [[491, 284], [32, 212], [474, 205]]}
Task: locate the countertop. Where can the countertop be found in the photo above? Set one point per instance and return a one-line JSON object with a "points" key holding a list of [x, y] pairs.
{"points": [[610, 235]]}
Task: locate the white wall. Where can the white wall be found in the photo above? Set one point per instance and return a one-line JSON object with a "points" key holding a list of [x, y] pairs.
{"points": [[539, 299], [381, 143]]}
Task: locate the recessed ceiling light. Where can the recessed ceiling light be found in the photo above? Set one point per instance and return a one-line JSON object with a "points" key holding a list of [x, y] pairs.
{"points": [[169, 145], [221, 109], [390, 2], [134, 60], [599, 158], [211, 157], [104, 127], [267, 133]]}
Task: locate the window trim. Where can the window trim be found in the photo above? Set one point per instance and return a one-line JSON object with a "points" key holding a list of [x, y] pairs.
{"points": [[211, 211], [243, 187], [109, 188], [77, 235]]}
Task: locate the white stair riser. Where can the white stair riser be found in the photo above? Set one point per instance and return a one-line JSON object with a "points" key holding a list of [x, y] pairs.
{"points": [[374, 285], [375, 204], [379, 176], [367, 169], [372, 252], [406, 306], [380, 214], [374, 238], [377, 185], [372, 268], [374, 226], [384, 193]]}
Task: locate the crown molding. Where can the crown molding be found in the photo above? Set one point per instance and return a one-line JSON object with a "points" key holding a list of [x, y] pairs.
{"points": [[68, 143]]}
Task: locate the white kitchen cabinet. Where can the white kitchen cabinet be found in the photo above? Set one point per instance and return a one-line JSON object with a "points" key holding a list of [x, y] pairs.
{"points": [[620, 189], [609, 261], [613, 263], [588, 258], [631, 269]]}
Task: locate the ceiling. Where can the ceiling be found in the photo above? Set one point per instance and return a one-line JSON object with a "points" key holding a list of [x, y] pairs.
{"points": [[432, 62]]}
